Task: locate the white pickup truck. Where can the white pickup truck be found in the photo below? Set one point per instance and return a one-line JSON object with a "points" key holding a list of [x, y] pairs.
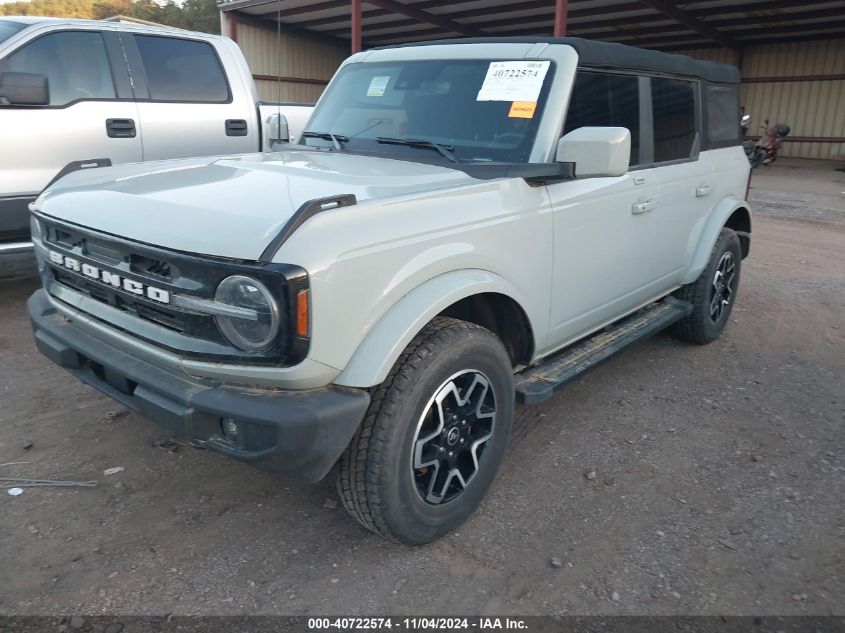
{"points": [[77, 94]]}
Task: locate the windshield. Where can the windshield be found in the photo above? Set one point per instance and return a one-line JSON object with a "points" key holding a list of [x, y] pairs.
{"points": [[475, 110], [8, 29]]}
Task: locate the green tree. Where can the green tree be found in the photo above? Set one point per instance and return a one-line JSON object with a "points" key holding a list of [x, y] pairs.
{"points": [[196, 15]]}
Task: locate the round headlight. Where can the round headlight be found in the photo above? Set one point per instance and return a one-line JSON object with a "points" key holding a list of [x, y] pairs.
{"points": [[257, 328]]}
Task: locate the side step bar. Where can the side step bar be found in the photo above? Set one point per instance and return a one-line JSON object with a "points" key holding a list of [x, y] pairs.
{"points": [[538, 383]]}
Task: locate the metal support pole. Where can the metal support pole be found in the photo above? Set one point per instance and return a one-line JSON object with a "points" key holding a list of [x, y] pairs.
{"points": [[356, 26], [561, 12]]}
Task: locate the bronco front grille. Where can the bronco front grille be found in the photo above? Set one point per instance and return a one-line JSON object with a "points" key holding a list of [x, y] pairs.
{"points": [[98, 260]]}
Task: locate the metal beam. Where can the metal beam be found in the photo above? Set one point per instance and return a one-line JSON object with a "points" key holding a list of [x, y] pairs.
{"points": [[539, 24], [366, 14], [561, 15], [791, 78], [355, 7], [425, 16], [767, 33], [689, 20], [574, 14], [268, 25]]}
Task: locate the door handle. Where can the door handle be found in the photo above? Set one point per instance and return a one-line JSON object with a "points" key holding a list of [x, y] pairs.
{"points": [[644, 207], [120, 128], [703, 190], [639, 180], [236, 127]]}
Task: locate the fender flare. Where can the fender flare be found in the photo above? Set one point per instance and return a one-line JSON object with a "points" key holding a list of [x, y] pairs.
{"points": [[381, 347], [718, 218]]}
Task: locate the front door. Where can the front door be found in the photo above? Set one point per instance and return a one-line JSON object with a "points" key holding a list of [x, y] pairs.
{"points": [[604, 227], [84, 124]]}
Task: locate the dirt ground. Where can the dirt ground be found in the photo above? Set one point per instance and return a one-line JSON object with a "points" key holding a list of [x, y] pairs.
{"points": [[718, 488]]}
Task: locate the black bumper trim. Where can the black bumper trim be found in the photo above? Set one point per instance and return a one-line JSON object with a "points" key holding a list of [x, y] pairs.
{"points": [[296, 433]]}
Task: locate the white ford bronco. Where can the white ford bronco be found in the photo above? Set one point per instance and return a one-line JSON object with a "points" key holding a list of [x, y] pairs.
{"points": [[464, 225]]}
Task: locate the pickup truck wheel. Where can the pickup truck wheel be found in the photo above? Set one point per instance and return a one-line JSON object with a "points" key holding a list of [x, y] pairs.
{"points": [[713, 294], [434, 435]]}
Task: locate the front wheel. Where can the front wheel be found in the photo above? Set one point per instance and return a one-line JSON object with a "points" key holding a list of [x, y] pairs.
{"points": [[757, 157], [713, 294], [433, 437]]}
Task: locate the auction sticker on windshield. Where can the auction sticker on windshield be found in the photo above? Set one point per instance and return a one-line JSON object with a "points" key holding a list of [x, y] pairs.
{"points": [[513, 81], [377, 86]]}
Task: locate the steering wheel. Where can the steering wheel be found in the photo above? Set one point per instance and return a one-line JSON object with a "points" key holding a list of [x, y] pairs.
{"points": [[82, 93], [500, 138]]}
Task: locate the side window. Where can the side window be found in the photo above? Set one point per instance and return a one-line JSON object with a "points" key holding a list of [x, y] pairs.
{"points": [[675, 130], [182, 70], [74, 62], [606, 100], [722, 114]]}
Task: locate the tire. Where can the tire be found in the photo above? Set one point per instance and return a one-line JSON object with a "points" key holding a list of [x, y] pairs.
{"points": [[757, 157], [710, 315], [377, 480]]}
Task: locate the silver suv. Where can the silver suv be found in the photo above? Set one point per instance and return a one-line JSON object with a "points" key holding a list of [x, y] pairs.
{"points": [[464, 225]]}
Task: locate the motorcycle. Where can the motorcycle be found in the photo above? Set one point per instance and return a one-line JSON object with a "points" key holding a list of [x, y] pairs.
{"points": [[768, 145], [744, 124]]}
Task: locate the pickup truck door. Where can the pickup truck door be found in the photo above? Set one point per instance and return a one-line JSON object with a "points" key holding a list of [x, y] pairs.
{"points": [[188, 105], [90, 120]]}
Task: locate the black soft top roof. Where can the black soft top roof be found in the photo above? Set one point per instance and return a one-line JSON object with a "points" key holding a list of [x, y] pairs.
{"points": [[612, 55]]}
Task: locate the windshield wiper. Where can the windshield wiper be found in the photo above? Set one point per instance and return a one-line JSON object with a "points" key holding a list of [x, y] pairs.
{"points": [[447, 151], [337, 139]]}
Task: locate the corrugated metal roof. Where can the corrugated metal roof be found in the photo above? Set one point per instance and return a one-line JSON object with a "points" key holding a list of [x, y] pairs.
{"points": [[661, 24]]}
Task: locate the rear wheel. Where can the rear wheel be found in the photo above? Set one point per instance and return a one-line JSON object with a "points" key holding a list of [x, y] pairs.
{"points": [[713, 294], [434, 436]]}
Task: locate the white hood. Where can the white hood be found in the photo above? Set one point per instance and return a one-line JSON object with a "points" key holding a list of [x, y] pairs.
{"points": [[231, 206]]}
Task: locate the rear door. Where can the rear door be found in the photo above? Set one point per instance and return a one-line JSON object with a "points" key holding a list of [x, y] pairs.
{"points": [[89, 120], [687, 183], [186, 104]]}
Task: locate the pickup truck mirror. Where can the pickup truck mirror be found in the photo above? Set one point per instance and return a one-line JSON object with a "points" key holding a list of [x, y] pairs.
{"points": [[26, 89], [596, 151], [276, 130]]}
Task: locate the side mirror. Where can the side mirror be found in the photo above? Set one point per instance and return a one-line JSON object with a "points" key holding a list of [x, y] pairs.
{"points": [[596, 151], [275, 130], [26, 89]]}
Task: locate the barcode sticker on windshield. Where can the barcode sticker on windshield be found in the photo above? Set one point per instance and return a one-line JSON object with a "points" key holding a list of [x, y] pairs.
{"points": [[513, 81], [377, 86]]}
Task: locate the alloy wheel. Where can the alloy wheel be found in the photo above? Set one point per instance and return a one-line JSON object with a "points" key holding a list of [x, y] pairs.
{"points": [[452, 433], [722, 290]]}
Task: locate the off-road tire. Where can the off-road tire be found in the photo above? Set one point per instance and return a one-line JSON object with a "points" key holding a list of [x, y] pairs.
{"points": [[375, 478], [699, 327]]}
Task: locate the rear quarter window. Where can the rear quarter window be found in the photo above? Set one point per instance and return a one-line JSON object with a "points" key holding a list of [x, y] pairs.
{"points": [[182, 70], [722, 114]]}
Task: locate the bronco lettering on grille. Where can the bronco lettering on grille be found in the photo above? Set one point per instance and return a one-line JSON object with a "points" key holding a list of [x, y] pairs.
{"points": [[109, 278]]}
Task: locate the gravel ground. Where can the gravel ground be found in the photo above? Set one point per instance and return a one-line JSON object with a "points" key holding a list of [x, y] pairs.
{"points": [[718, 484]]}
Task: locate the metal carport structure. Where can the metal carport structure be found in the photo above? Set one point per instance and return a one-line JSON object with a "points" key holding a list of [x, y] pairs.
{"points": [[791, 53]]}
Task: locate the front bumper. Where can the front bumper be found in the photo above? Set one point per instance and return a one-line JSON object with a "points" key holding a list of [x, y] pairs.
{"points": [[296, 433]]}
